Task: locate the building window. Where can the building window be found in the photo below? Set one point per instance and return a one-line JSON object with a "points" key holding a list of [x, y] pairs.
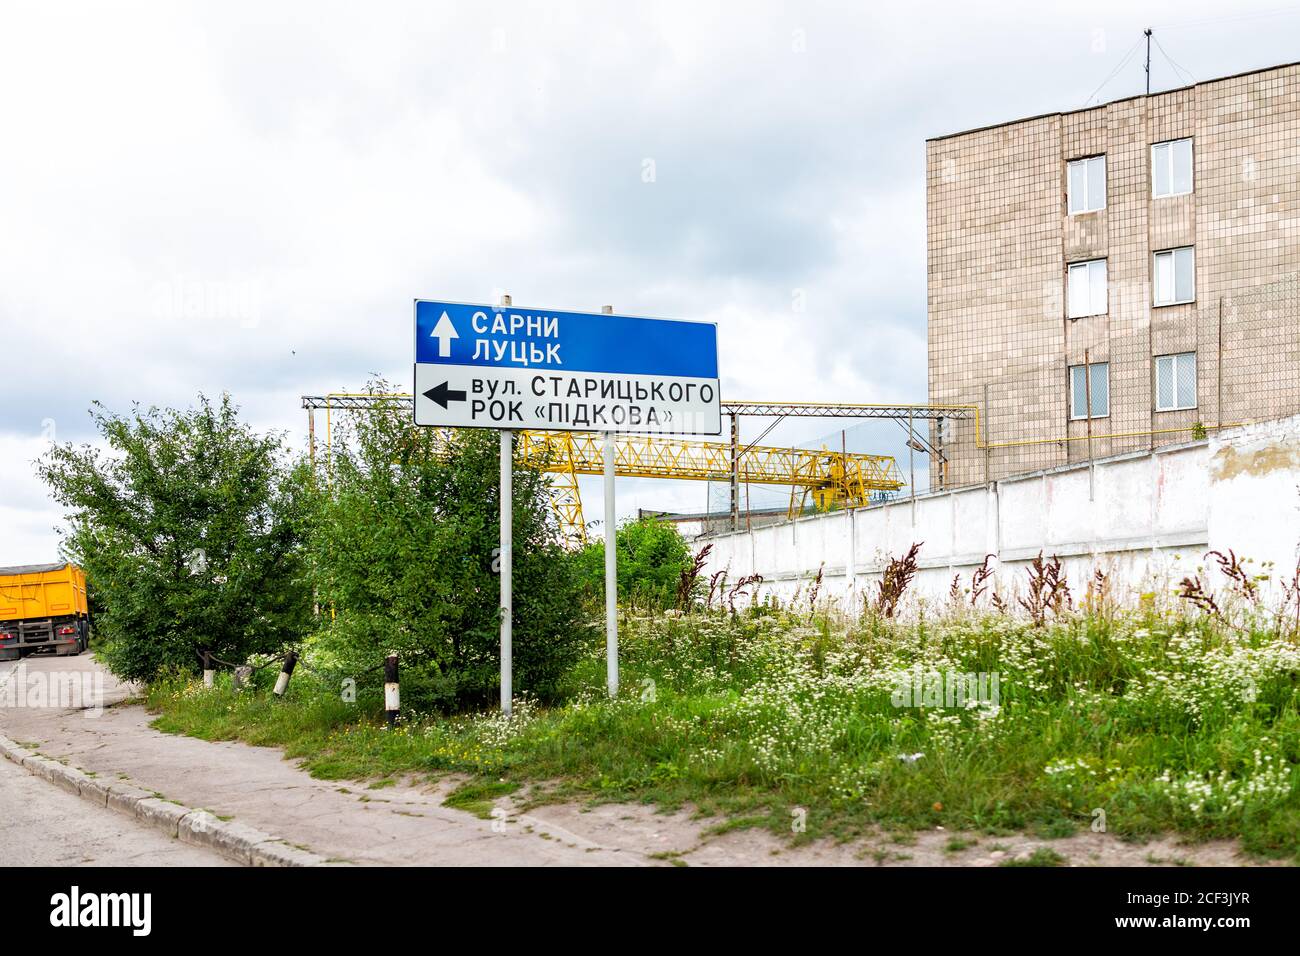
{"points": [[1087, 288], [1175, 276], [1175, 381], [1097, 382], [1087, 184], [1171, 168]]}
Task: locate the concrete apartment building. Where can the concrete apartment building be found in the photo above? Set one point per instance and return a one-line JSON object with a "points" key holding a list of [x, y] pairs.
{"points": [[1157, 237]]}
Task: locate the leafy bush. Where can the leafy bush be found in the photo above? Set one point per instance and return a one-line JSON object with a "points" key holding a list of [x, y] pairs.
{"points": [[652, 555], [189, 533], [404, 546]]}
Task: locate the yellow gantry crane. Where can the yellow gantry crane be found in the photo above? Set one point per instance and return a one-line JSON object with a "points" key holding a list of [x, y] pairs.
{"points": [[832, 478]]}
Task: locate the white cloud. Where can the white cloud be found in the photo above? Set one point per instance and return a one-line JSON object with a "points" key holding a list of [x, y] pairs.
{"points": [[27, 517], [247, 197]]}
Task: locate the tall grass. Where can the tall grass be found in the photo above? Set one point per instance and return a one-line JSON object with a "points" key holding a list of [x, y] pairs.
{"points": [[1146, 721]]}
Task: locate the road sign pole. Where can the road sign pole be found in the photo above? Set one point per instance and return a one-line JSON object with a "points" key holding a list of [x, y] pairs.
{"points": [[611, 562], [507, 562], [507, 544], [611, 572]]}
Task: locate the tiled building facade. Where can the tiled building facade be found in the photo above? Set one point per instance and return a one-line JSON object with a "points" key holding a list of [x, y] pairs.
{"points": [[1156, 237]]}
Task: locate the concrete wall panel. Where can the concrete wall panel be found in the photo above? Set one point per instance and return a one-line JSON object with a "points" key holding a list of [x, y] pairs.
{"points": [[1145, 520]]}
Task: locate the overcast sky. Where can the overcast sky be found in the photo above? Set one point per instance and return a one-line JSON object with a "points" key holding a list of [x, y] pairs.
{"points": [[247, 196]]}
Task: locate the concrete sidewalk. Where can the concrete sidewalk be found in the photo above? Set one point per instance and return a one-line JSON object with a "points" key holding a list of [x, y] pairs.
{"points": [[342, 822], [406, 824]]}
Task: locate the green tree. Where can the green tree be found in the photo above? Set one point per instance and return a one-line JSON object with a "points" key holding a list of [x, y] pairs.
{"points": [[187, 525], [404, 544], [651, 557]]}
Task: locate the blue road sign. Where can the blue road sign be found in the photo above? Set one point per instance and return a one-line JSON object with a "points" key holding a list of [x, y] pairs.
{"points": [[511, 367], [457, 334]]}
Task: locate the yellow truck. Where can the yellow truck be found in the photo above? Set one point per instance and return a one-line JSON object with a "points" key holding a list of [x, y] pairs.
{"points": [[43, 607]]}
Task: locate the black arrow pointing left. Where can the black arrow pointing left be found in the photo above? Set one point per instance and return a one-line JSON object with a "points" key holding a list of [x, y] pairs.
{"points": [[442, 395]]}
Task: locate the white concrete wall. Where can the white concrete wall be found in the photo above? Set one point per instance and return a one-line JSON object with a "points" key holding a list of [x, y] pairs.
{"points": [[1254, 482], [1145, 519]]}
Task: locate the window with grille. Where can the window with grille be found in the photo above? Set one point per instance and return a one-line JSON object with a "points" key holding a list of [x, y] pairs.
{"points": [[1175, 381], [1094, 379]]}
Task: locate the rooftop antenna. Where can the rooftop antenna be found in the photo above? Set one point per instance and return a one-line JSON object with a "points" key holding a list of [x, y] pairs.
{"points": [[1147, 34]]}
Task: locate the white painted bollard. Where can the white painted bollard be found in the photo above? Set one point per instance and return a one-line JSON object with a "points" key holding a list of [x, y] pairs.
{"points": [[209, 674], [286, 671], [392, 694]]}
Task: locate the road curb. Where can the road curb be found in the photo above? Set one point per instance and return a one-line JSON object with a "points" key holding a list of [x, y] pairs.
{"points": [[235, 841]]}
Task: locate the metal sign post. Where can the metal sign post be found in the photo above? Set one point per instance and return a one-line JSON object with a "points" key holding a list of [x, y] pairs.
{"points": [[506, 545], [611, 572], [507, 560], [611, 563], [508, 368]]}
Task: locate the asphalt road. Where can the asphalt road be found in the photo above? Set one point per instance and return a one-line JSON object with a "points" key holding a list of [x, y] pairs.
{"points": [[41, 825]]}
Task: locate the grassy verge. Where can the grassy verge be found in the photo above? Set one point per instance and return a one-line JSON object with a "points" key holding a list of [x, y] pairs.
{"points": [[1144, 723]]}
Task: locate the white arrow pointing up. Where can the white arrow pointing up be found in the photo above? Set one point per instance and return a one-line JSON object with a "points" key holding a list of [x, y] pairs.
{"points": [[444, 332]]}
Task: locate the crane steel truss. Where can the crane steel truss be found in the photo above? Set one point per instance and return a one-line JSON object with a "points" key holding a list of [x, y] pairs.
{"points": [[831, 477], [566, 498], [905, 415], [842, 410]]}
